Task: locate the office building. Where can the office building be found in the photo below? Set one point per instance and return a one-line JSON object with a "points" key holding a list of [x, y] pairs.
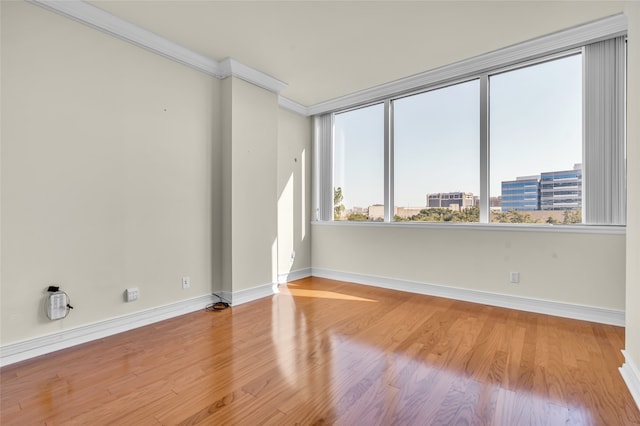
{"points": [[561, 190], [521, 194], [450, 200]]}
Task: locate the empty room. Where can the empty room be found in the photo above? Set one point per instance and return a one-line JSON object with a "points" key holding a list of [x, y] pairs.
{"points": [[319, 212]]}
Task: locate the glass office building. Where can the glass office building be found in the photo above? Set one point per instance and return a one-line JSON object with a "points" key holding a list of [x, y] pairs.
{"points": [[557, 190], [521, 194], [561, 190]]}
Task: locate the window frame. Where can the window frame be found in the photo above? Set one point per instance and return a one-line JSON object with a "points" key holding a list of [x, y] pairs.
{"points": [[558, 45]]}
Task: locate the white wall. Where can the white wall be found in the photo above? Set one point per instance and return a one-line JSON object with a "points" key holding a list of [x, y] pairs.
{"points": [[632, 342], [250, 153], [110, 169], [112, 173], [294, 194], [584, 269], [227, 194]]}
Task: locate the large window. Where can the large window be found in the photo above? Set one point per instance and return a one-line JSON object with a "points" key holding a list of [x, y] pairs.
{"points": [[358, 164], [536, 143], [540, 141], [436, 140]]}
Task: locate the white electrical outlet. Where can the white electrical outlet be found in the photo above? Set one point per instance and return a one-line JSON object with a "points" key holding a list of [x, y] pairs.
{"points": [[132, 294], [57, 307], [293, 256], [514, 277], [186, 282]]}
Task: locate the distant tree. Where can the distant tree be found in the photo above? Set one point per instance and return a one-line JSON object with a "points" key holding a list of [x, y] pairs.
{"points": [[358, 217], [338, 208], [397, 218], [471, 214], [551, 220], [572, 216], [513, 216], [440, 214]]}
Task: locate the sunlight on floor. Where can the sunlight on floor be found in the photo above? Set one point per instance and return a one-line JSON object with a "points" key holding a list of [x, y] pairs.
{"points": [[322, 294]]}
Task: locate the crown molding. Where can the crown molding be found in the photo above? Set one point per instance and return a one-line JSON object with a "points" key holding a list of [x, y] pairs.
{"points": [[293, 106], [566, 39], [97, 18], [591, 32], [230, 66], [101, 20]]}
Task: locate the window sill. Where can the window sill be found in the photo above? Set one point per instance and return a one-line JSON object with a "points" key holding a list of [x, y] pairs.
{"points": [[578, 229]]}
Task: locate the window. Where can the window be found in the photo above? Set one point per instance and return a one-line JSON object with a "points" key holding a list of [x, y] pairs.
{"points": [[536, 141], [358, 164], [436, 143]]}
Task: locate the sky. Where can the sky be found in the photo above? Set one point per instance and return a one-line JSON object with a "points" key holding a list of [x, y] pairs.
{"points": [[535, 126]]}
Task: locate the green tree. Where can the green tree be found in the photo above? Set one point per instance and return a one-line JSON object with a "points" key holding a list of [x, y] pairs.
{"points": [[338, 208], [471, 214], [572, 216], [440, 214], [513, 216], [358, 217]]}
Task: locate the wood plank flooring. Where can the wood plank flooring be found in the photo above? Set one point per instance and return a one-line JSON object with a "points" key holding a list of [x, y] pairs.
{"points": [[328, 352]]}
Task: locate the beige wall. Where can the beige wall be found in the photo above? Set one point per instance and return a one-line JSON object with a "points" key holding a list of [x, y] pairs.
{"points": [[585, 269], [226, 206], [294, 198], [252, 163], [123, 169], [633, 185], [114, 162], [110, 168]]}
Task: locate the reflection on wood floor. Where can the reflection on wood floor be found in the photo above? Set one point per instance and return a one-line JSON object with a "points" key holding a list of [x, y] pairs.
{"points": [[329, 352]]}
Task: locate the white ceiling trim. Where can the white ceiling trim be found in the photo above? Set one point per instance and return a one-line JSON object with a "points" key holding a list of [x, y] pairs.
{"points": [[99, 19], [125, 30], [230, 66], [601, 29], [293, 106]]}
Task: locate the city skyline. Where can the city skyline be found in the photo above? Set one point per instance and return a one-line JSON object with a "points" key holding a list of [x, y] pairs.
{"points": [[448, 195], [536, 124]]}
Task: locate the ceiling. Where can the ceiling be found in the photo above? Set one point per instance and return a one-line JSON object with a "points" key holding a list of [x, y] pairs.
{"points": [[324, 49]]}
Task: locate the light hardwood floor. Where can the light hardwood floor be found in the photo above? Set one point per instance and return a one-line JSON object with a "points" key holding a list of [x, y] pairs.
{"points": [[329, 352]]}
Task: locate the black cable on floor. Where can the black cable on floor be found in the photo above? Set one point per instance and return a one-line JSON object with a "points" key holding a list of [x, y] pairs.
{"points": [[221, 305]]}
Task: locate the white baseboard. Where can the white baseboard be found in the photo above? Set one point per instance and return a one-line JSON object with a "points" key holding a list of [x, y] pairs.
{"points": [[631, 376], [20, 351], [294, 275], [250, 294], [561, 309]]}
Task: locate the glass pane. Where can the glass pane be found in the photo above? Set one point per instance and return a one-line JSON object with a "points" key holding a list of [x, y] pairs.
{"points": [[358, 164], [437, 155], [536, 143]]}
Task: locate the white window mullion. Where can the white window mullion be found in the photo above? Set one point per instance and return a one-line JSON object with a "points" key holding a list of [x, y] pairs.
{"points": [[388, 162], [484, 150]]}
